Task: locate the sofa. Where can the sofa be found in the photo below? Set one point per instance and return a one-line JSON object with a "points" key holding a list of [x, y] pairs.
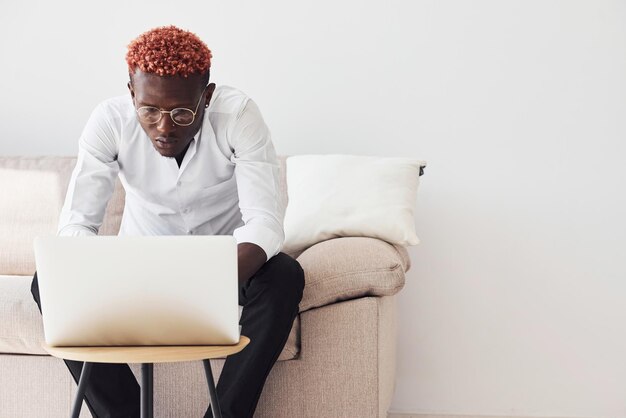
{"points": [[339, 360]]}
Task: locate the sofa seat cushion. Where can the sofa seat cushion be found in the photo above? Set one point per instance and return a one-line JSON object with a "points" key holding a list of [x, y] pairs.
{"points": [[21, 326], [351, 267]]}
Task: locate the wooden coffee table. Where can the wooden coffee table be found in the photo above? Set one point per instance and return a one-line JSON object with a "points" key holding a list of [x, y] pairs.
{"points": [[147, 356]]}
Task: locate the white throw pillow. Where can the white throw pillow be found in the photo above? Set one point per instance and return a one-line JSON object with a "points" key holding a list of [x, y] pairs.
{"points": [[350, 195]]}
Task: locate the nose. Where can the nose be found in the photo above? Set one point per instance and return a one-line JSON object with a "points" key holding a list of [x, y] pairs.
{"points": [[165, 125]]}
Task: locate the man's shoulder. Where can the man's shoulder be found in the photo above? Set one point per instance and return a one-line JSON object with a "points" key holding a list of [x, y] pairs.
{"points": [[110, 117], [228, 99], [121, 105], [115, 109]]}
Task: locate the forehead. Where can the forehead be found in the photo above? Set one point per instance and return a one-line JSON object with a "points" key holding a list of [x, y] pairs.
{"points": [[168, 91]]}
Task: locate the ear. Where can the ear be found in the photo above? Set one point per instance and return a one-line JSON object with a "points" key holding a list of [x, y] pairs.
{"points": [[130, 89], [208, 94]]}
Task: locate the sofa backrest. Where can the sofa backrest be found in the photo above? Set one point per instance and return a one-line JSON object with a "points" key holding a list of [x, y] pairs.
{"points": [[32, 193]]}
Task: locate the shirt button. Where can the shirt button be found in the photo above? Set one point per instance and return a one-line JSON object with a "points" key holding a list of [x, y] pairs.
{"points": [[186, 210], [178, 183]]}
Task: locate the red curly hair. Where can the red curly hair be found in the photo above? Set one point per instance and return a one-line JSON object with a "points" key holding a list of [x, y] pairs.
{"points": [[168, 50]]}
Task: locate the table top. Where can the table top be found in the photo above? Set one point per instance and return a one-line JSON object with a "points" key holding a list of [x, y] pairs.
{"points": [[146, 353]]}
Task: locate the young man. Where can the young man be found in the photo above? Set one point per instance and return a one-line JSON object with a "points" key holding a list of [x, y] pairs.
{"points": [[193, 159]]}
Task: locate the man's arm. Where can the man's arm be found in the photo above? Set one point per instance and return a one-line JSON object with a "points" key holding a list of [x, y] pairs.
{"points": [[257, 176], [250, 259], [93, 178]]}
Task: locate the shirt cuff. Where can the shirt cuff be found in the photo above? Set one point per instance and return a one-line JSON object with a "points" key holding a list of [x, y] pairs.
{"points": [[266, 238]]}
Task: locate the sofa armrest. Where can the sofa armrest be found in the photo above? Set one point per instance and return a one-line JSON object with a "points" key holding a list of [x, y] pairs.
{"points": [[351, 267]]}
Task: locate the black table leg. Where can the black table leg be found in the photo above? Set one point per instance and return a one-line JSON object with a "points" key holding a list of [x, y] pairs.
{"points": [[80, 392], [215, 405], [147, 407]]}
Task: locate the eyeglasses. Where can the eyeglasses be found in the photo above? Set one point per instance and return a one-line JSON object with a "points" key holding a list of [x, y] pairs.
{"points": [[180, 116]]}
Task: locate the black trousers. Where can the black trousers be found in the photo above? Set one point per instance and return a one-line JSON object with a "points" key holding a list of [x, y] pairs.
{"points": [[270, 301]]}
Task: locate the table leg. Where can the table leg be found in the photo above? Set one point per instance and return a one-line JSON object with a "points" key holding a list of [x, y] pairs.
{"points": [[147, 407], [215, 405], [80, 392]]}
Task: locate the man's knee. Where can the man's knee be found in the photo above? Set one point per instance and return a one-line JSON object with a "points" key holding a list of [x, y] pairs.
{"points": [[293, 273], [284, 278]]}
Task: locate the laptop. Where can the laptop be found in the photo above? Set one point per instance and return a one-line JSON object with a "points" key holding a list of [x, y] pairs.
{"points": [[138, 290]]}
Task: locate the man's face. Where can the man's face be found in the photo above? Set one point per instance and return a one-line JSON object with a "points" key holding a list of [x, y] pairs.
{"points": [[167, 93]]}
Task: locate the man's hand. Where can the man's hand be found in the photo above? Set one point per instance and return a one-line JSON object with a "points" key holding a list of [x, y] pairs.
{"points": [[250, 258]]}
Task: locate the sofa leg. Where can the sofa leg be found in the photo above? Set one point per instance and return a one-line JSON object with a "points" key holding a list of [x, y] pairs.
{"points": [[80, 393]]}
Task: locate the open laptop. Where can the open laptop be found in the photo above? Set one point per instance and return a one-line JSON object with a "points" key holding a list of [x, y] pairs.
{"points": [[138, 290]]}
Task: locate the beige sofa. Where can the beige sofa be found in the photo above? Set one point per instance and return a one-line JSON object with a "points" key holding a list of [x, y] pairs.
{"points": [[338, 362]]}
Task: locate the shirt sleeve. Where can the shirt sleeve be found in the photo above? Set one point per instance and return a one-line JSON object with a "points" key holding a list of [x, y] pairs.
{"points": [[93, 178], [257, 176]]}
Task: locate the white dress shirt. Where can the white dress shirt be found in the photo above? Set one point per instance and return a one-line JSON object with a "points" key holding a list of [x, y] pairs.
{"points": [[227, 183]]}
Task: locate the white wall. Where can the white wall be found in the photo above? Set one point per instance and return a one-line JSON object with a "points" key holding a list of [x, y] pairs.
{"points": [[514, 304]]}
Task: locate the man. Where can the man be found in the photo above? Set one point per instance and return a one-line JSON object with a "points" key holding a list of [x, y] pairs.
{"points": [[193, 159]]}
